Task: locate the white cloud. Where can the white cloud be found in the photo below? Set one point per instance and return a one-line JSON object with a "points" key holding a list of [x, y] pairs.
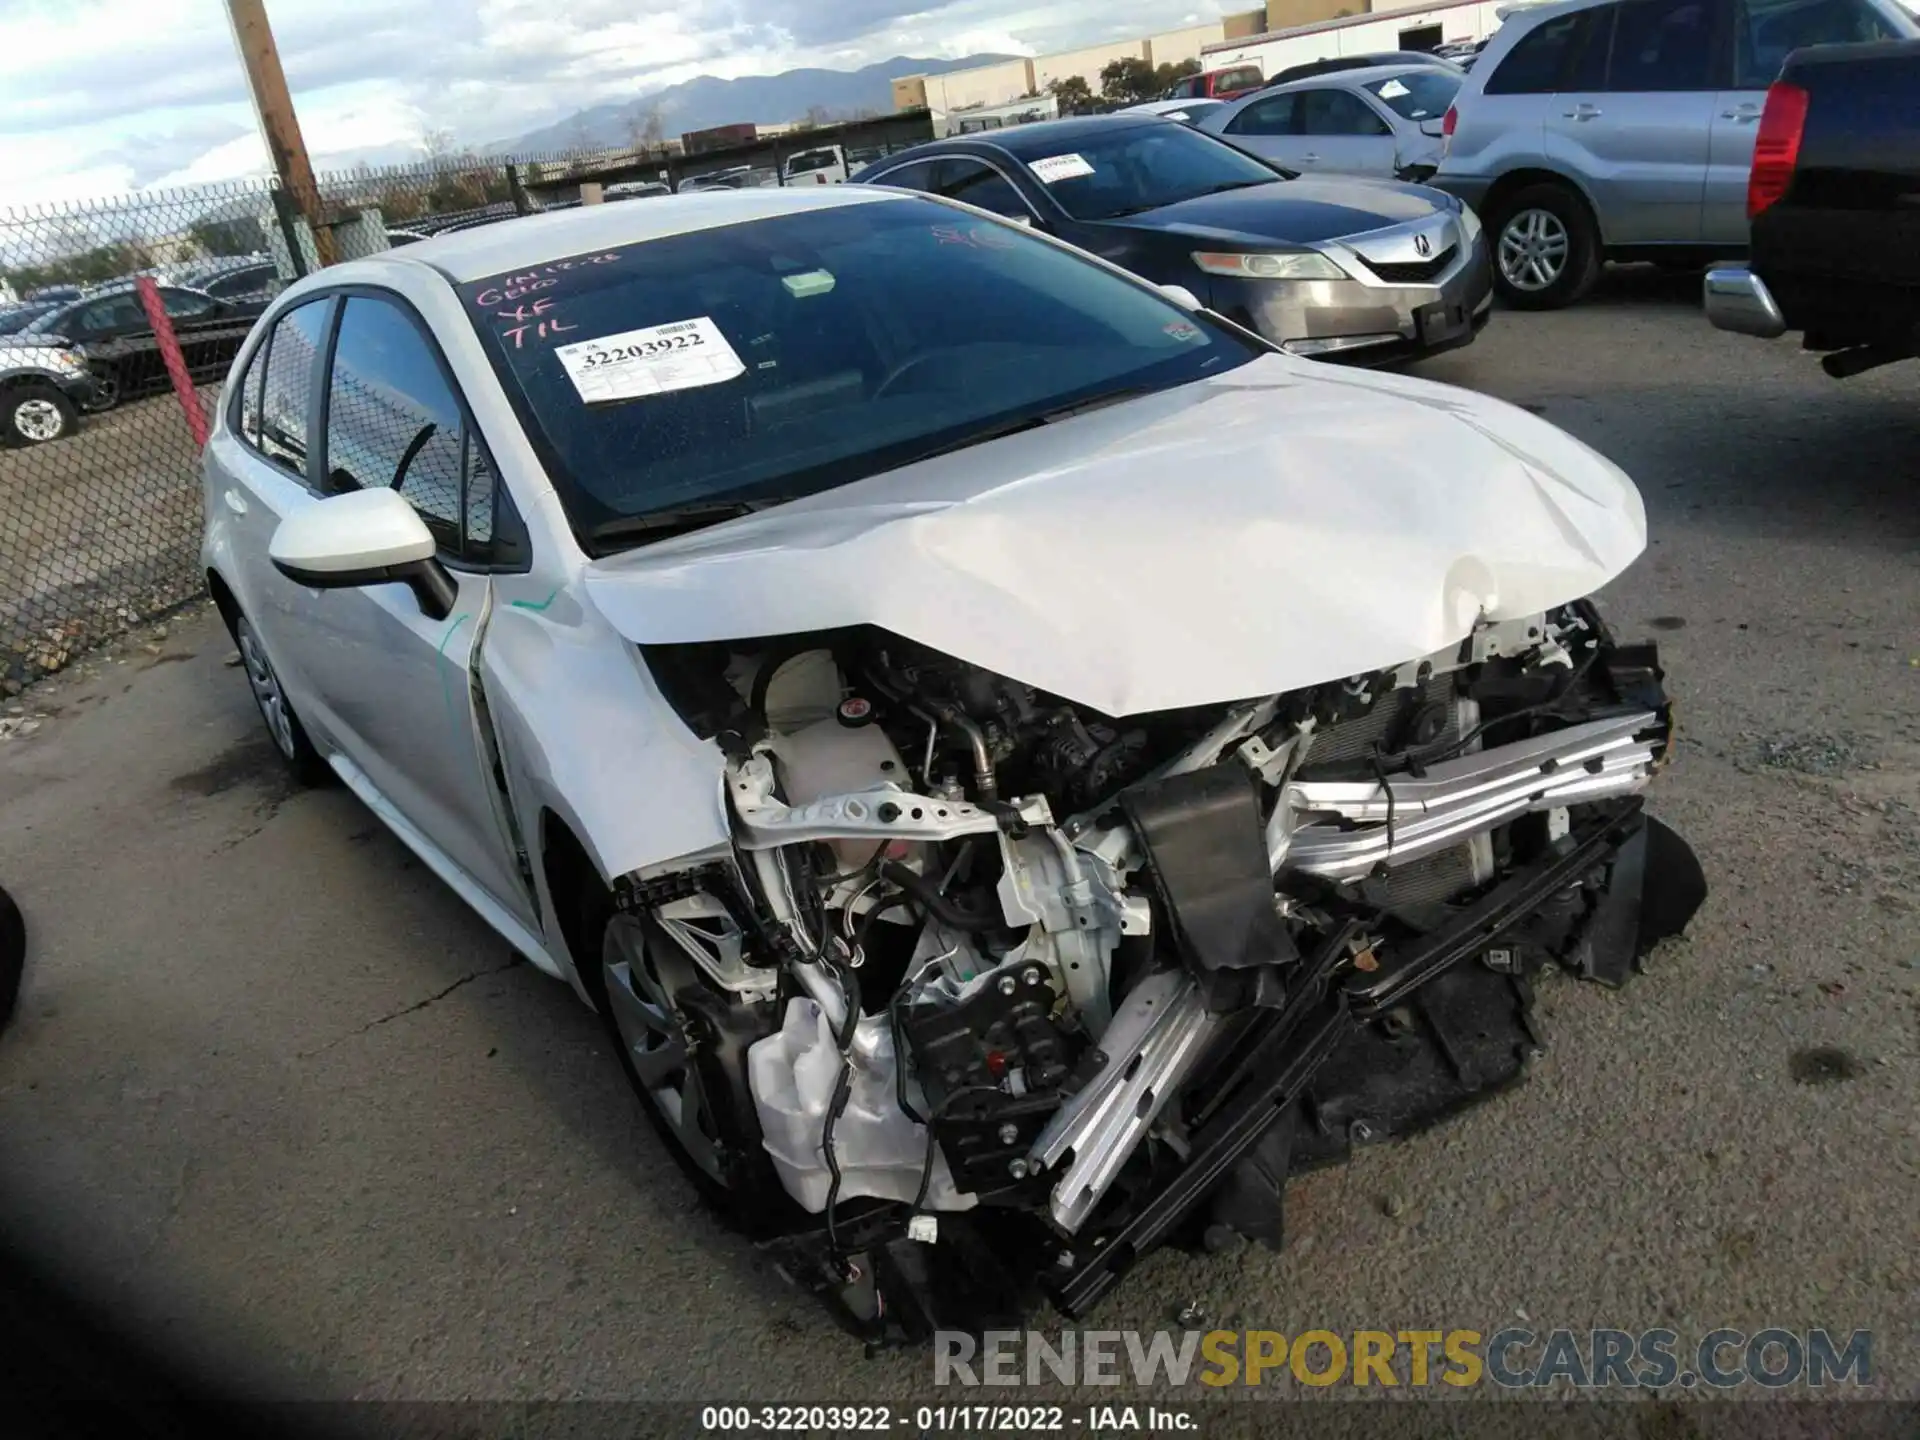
{"points": [[98, 96]]}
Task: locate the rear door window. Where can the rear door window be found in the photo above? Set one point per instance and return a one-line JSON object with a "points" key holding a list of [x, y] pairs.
{"points": [[1662, 45], [1337, 112], [1274, 115]]}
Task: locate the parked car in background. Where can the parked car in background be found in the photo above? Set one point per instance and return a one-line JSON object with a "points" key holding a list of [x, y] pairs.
{"points": [[1329, 266], [735, 177], [942, 702], [1187, 110], [44, 385], [1600, 130], [247, 288], [1333, 64], [110, 327], [824, 165], [1227, 83], [55, 293], [1381, 121], [1835, 249], [636, 190], [15, 318]]}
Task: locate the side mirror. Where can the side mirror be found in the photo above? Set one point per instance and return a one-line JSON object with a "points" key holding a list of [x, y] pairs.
{"points": [[368, 537], [1182, 297]]}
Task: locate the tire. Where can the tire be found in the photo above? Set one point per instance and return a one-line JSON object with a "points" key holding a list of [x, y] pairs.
{"points": [[682, 1041], [36, 413], [1546, 248], [284, 729], [13, 956]]}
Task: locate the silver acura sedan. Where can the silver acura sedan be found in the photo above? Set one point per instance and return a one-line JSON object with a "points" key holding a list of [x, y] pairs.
{"points": [[909, 676]]}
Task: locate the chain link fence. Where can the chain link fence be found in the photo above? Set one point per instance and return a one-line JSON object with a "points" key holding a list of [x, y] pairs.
{"points": [[100, 501]]}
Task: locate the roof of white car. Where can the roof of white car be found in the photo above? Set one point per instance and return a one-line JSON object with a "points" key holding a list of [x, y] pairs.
{"points": [[540, 239]]}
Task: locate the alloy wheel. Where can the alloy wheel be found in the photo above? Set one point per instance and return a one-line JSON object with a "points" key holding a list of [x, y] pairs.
{"points": [[1533, 249], [661, 1045], [38, 421], [266, 690]]}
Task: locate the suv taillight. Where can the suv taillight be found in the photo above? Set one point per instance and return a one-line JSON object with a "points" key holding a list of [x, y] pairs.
{"points": [[1776, 148], [1452, 121]]}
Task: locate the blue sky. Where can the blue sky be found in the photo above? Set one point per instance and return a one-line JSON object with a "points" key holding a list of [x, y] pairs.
{"points": [[102, 96]]}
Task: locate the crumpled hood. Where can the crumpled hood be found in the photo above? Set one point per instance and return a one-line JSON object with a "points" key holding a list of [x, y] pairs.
{"points": [[1278, 526]]}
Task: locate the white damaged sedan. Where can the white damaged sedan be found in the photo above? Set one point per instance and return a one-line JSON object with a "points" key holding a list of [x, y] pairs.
{"points": [[1019, 765]]}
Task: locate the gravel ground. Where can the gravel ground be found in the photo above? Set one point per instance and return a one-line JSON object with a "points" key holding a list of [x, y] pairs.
{"points": [[274, 1094]]}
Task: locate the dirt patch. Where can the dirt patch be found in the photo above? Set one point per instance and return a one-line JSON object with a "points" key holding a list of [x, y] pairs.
{"points": [[1824, 1065], [253, 763]]}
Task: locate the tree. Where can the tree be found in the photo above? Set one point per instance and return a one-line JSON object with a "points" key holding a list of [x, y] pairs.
{"points": [[646, 131], [232, 235], [1070, 92], [1128, 81], [1166, 76]]}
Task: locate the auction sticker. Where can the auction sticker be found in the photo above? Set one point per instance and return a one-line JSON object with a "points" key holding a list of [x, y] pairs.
{"points": [[1056, 168], [653, 361]]}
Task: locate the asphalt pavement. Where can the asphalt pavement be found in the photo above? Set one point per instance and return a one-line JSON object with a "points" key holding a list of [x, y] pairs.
{"points": [[274, 1095]]}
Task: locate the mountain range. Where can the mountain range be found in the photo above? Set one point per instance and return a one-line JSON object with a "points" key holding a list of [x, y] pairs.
{"points": [[707, 100]]}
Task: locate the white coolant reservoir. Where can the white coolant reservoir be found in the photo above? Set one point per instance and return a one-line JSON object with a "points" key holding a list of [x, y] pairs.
{"points": [[879, 1150], [831, 758]]}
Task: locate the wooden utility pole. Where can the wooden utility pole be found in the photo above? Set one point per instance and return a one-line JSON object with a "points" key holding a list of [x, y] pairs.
{"points": [[273, 103]]}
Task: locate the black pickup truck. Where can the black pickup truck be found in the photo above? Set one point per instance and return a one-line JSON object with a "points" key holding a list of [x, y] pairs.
{"points": [[1834, 203]]}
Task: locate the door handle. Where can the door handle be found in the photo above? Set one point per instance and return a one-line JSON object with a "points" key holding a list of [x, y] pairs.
{"points": [[236, 502], [1582, 112], [1741, 112], [1311, 158]]}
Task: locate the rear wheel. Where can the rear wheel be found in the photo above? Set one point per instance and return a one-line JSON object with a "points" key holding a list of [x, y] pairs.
{"points": [[1546, 248], [276, 711], [36, 413]]}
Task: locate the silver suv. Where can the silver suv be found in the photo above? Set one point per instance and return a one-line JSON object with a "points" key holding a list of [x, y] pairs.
{"points": [[1595, 130]]}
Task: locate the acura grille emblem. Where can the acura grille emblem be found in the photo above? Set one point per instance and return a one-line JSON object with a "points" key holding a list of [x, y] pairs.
{"points": [[1422, 246]]}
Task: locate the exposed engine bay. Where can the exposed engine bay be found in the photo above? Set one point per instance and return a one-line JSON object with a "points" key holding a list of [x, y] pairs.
{"points": [[1017, 991]]}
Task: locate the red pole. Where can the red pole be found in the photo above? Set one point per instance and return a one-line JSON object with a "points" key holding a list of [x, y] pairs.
{"points": [[170, 352]]}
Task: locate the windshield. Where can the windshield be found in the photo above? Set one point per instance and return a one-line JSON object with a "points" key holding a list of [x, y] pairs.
{"points": [[1422, 95], [12, 322], [789, 355], [1240, 77], [1128, 169]]}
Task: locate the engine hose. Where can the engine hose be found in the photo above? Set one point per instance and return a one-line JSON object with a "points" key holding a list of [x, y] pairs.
{"points": [[941, 908]]}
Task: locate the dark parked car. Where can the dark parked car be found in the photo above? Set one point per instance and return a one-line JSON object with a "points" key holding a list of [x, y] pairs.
{"points": [[16, 318], [1327, 266], [111, 330], [1333, 63], [246, 287], [1835, 248]]}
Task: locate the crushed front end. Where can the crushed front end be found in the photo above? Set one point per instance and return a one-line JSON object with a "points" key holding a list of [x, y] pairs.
{"points": [[1025, 991]]}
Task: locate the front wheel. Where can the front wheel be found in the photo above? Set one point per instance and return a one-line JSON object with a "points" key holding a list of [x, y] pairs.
{"points": [[683, 1041], [1546, 248], [36, 414]]}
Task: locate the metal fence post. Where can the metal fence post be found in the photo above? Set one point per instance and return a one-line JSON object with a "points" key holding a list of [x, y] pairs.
{"points": [[517, 189], [288, 214]]}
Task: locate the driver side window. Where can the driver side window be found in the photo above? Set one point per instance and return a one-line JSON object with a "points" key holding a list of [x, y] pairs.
{"points": [[392, 418]]}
